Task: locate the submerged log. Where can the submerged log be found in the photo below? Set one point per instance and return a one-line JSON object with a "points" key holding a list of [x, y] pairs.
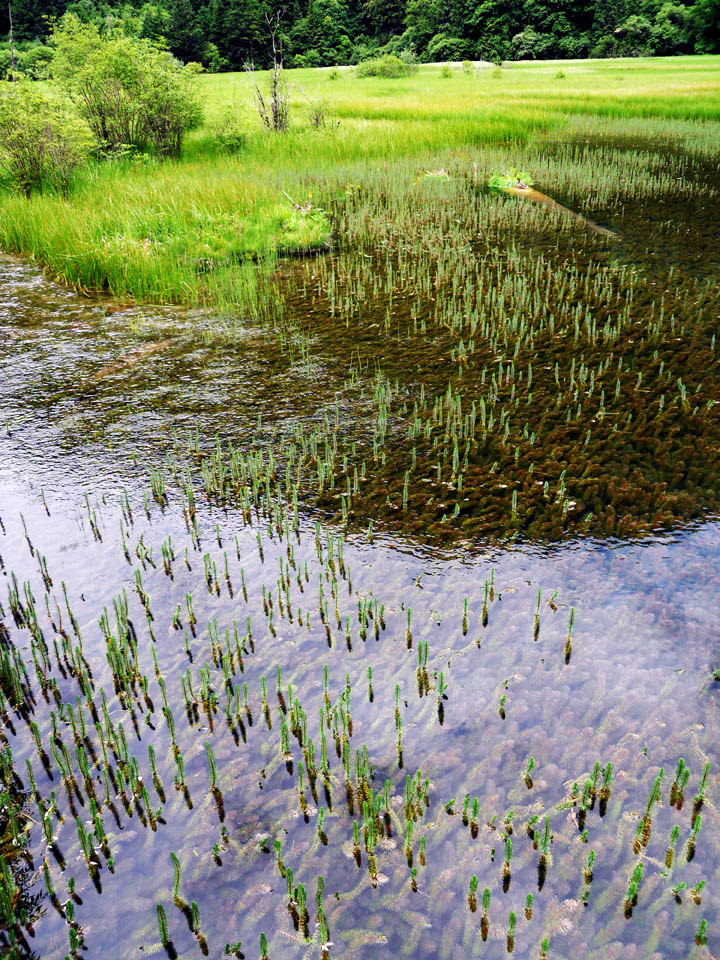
{"points": [[133, 358]]}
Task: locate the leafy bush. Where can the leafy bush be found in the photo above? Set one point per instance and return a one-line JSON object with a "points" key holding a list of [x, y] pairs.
{"points": [[35, 62], [443, 47], [605, 47], [130, 92], [41, 140], [215, 62], [388, 66], [634, 36], [366, 51], [409, 58], [5, 63], [229, 131], [510, 178]]}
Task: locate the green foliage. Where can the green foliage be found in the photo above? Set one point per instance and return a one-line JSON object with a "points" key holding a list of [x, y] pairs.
{"points": [[443, 47], [35, 62], [229, 130], [510, 178], [5, 63], [131, 93], [41, 140], [388, 66]]}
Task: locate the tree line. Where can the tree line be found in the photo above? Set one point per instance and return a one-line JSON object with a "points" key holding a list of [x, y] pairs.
{"points": [[227, 34]]}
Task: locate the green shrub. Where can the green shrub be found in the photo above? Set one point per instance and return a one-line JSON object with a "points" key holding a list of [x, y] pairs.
{"points": [[388, 66], [41, 140], [5, 63], [35, 62], [445, 72], [130, 92], [444, 48], [409, 58], [229, 131], [468, 66]]}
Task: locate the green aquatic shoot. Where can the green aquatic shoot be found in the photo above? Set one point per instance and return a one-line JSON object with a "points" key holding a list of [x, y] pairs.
{"points": [[472, 893], [177, 876], [589, 867], [510, 939], [211, 765], [163, 926], [530, 766]]}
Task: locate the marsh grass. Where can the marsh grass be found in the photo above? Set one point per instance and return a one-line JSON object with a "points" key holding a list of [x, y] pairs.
{"points": [[185, 231]]}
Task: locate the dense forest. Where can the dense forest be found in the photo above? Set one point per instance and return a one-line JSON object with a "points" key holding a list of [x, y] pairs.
{"points": [[225, 34]]}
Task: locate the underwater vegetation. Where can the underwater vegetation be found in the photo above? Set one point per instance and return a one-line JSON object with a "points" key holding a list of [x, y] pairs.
{"points": [[140, 718], [244, 698]]}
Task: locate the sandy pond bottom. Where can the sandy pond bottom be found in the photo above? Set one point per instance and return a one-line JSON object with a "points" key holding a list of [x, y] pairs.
{"points": [[330, 678]]}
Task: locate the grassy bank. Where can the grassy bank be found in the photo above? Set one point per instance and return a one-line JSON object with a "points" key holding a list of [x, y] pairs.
{"points": [[191, 231]]}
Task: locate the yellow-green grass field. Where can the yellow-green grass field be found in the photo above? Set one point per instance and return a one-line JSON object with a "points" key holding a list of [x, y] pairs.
{"points": [[194, 231]]}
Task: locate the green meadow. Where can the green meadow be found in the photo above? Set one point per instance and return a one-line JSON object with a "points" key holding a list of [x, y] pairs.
{"points": [[192, 231]]}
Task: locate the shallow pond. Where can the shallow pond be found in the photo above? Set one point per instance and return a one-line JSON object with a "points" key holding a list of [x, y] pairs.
{"points": [[276, 611]]}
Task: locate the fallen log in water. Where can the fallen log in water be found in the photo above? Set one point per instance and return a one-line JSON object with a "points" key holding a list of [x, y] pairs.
{"points": [[530, 193], [132, 358]]}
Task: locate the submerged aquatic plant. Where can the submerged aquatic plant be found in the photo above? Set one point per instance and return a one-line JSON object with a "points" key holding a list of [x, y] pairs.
{"points": [[472, 894], [589, 867], [177, 877], [510, 937], [528, 773], [632, 890], [485, 919], [162, 925], [695, 829]]}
